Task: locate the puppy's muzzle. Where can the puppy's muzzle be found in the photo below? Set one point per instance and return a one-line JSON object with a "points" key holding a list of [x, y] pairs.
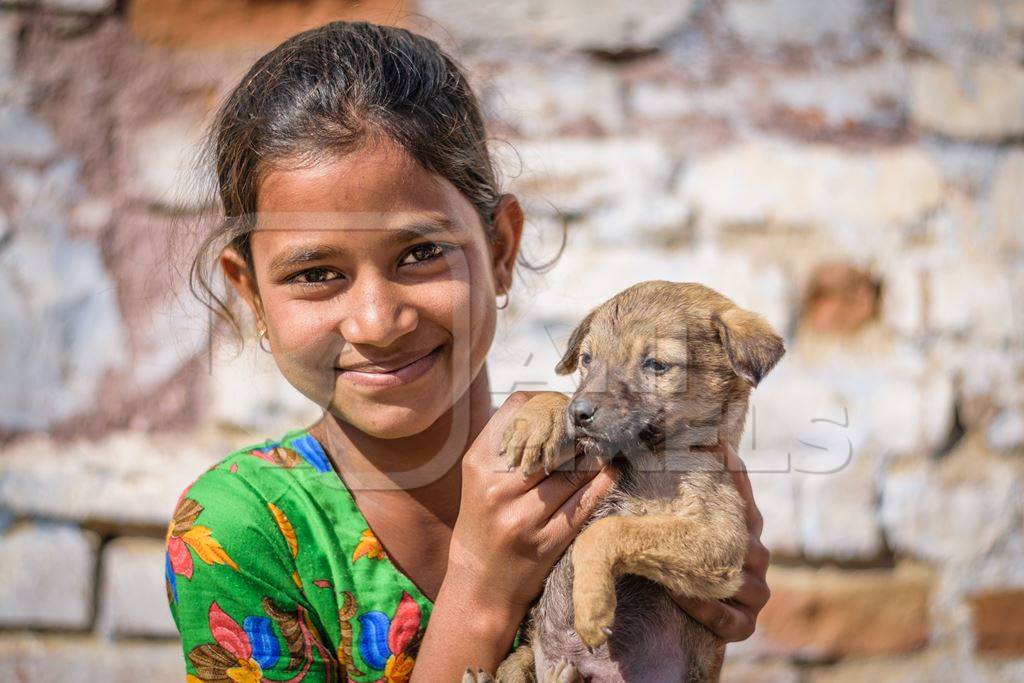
{"points": [[589, 421], [583, 411]]}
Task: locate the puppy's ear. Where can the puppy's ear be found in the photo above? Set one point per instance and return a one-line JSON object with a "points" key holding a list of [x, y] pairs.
{"points": [[568, 363], [750, 342]]}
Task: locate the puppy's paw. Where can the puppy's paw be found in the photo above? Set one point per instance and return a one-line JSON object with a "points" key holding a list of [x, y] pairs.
{"points": [[594, 629], [594, 613], [564, 671], [535, 437], [518, 667], [479, 676]]}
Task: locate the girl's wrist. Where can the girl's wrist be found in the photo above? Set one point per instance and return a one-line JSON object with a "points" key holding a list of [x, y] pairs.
{"points": [[464, 631], [485, 609]]}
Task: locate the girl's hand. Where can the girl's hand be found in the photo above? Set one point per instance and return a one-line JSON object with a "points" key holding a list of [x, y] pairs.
{"points": [[510, 530], [509, 534], [734, 619]]}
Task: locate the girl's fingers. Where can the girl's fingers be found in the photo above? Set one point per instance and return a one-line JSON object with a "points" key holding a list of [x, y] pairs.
{"points": [[730, 623], [752, 595], [758, 558], [733, 619], [738, 470], [552, 491], [578, 501]]}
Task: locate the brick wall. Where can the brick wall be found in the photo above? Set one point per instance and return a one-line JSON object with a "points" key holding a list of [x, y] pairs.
{"points": [[851, 169]]}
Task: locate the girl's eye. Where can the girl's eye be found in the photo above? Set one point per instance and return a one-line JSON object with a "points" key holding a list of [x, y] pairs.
{"points": [[315, 276], [655, 366], [428, 251]]}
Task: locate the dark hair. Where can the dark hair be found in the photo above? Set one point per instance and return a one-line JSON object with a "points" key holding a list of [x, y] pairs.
{"points": [[328, 91]]}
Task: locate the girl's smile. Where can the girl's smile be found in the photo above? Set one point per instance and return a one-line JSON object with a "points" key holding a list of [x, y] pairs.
{"points": [[400, 374]]}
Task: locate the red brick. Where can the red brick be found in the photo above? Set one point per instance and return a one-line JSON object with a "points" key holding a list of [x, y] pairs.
{"points": [[840, 298], [820, 614], [216, 24], [998, 621]]}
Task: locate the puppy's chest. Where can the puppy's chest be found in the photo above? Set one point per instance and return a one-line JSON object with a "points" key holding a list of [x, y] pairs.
{"points": [[673, 485]]}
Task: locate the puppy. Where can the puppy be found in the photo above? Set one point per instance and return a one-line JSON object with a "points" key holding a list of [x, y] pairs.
{"points": [[666, 369]]}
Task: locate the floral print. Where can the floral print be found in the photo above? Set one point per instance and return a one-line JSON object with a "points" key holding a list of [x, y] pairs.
{"points": [[241, 653], [368, 546], [386, 641], [304, 447], [184, 534], [345, 614]]}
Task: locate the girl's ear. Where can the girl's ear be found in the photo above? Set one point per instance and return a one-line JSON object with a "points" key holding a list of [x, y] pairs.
{"points": [[237, 272], [750, 343], [572, 353], [508, 226]]}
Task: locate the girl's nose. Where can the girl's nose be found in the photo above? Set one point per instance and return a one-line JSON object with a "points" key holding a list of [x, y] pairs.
{"points": [[376, 312]]}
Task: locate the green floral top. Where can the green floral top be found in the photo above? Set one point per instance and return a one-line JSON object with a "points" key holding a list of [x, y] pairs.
{"points": [[273, 574]]}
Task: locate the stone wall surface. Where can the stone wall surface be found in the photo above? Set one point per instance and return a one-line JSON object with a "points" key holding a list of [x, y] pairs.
{"points": [[853, 170]]}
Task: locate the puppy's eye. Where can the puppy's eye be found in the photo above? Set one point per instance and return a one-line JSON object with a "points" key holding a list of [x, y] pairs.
{"points": [[655, 366], [584, 359]]}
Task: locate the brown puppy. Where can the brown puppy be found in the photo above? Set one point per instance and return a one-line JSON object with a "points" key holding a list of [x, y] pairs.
{"points": [[666, 368]]}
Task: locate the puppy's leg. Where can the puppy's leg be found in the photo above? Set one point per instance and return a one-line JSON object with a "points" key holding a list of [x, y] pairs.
{"points": [[564, 671], [683, 555], [536, 435], [518, 667]]}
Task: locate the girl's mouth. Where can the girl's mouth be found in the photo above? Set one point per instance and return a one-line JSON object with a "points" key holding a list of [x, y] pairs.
{"points": [[403, 375]]}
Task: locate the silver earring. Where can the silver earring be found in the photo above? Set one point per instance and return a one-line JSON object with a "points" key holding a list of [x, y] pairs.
{"points": [[504, 305], [261, 335]]}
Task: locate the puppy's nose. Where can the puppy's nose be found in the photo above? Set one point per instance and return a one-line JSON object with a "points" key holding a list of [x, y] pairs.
{"points": [[582, 411]]}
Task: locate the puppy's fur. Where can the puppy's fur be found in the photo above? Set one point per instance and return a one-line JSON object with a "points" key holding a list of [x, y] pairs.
{"points": [[666, 368]]}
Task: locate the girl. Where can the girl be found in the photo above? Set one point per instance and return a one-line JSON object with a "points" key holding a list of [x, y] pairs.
{"points": [[365, 230]]}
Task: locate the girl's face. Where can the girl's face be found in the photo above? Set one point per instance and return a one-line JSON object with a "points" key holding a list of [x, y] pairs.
{"points": [[373, 261]]}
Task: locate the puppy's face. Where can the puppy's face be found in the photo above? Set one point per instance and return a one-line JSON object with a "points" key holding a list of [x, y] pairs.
{"points": [[660, 362]]}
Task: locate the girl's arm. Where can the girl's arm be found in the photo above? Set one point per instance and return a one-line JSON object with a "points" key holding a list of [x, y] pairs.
{"points": [[509, 534]]}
